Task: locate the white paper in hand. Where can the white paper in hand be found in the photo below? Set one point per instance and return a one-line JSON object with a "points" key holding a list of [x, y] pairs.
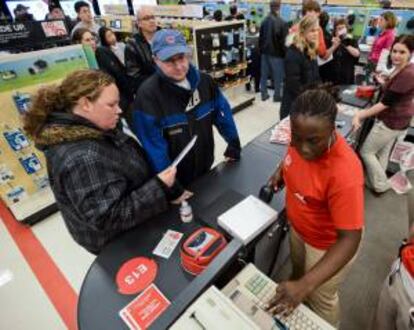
{"points": [[185, 151]]}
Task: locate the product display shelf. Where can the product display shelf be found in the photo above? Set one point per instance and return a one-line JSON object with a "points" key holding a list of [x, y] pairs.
{"points": [[219, 49]]}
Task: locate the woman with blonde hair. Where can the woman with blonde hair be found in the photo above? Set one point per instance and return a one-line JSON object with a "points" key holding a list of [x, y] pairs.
{"points": [[301, 67], [98, 174]]}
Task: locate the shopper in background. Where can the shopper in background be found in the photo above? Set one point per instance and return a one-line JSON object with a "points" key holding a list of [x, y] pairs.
{"points": [[393, 115], [99, 176], [387, 23], [396, 303], [109, 40], [85, 37], [325, 207], [326, 69], [138, 56], [301, 67], [313, 9], [345, 56], [218, 15], [56, 12], [110, 58], [234, 14], [83, 10], [177, 103], [272, 38], [21, 14]]}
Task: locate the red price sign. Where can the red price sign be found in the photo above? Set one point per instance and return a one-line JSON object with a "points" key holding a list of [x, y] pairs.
{"points": [[135, 275]]}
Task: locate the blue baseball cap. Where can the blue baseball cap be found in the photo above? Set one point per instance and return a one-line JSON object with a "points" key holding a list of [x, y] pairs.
{"points": [[167, 43]]}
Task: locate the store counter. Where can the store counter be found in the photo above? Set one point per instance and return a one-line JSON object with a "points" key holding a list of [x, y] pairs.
{"points": [[215, 192], [223, 187]]}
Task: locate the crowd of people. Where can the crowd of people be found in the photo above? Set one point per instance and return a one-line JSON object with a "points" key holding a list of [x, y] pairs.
{"points": [[110, 136]]}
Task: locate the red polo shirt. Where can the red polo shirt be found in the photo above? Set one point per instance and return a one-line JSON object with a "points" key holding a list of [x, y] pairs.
{"points": [[324, 195]]}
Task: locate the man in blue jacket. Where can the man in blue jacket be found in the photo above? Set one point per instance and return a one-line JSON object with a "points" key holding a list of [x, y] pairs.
{"points": [[176, 103]]}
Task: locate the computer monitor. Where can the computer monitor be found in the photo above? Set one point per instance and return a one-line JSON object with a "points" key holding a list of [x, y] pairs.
{"points": [[68, 7], [138, 3], [114, 7], [37, 8]]}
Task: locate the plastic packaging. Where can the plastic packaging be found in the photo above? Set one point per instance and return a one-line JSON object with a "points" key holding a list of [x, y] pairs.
{"points": [[186, 212]]}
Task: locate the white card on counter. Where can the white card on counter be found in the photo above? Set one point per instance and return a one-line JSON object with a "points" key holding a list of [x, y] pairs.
{"points": [[168, 243], [184, 152]]}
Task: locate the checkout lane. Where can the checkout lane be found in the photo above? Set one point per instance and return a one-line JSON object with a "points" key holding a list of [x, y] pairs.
{"points": [[221, 188], [245, 177]]}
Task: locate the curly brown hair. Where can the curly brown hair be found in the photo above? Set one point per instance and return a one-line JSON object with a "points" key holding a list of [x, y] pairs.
{"points": [[63, 97]]}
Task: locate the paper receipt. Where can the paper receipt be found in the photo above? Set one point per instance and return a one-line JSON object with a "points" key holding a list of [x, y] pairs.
{"points": [[167, 244]]}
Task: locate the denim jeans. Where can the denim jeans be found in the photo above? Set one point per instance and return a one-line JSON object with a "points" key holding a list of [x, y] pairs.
{"points": [[274, 67]]}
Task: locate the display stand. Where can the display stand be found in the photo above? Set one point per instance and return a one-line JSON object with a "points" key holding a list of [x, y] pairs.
{"points": [[24, 184], [32, 35]]}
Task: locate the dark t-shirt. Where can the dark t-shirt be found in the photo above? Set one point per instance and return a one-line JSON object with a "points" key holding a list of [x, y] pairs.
{"points": [[399, 96], [344, 63]]}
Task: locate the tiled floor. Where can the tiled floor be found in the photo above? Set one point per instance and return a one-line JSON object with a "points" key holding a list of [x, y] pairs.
{"points": [[24, 304]]}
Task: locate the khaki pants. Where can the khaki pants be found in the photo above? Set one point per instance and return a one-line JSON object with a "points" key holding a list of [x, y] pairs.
{"points": [[375, 153], [324, 301]]}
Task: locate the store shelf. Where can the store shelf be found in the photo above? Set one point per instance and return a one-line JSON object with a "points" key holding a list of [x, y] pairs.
{"points": [[37, 207]]}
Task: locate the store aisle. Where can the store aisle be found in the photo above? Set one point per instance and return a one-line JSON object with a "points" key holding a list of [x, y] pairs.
{"points": [[25, 303]]}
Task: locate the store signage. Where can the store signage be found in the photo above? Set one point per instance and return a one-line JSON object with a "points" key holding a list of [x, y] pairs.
{"points": [[135, 275], [188, 11], [14, 35], [141, 312]]}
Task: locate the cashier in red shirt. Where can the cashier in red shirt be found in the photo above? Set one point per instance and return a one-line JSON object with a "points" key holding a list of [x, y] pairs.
{"points": [[325, 207]]}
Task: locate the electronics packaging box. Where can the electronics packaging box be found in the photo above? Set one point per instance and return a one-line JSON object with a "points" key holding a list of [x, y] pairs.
{"points": [[247, 219]]}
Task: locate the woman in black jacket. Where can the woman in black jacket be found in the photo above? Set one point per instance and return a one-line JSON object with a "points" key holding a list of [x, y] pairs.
{"points": [[301, 67], [101, 181], [110, 58]]}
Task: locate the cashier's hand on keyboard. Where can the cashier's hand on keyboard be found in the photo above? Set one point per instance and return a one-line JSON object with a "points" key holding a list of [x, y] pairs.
{"points": [[287, 297]]}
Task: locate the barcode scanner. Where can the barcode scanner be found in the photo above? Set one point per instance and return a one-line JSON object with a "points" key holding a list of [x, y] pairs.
{"points": [[266, 193]]}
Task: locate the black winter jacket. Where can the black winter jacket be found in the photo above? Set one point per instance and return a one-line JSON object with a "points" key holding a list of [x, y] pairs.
{"points": [[273, 32], [167, 116], [110, 63], [138, 60], [300, 72], [99, 195]]}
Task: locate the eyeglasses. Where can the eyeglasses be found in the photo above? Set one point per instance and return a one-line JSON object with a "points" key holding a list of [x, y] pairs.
{"points": [[147, 18]]}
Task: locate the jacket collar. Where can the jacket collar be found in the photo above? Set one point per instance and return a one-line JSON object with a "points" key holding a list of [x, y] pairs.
{"points": [[65, 127]]}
